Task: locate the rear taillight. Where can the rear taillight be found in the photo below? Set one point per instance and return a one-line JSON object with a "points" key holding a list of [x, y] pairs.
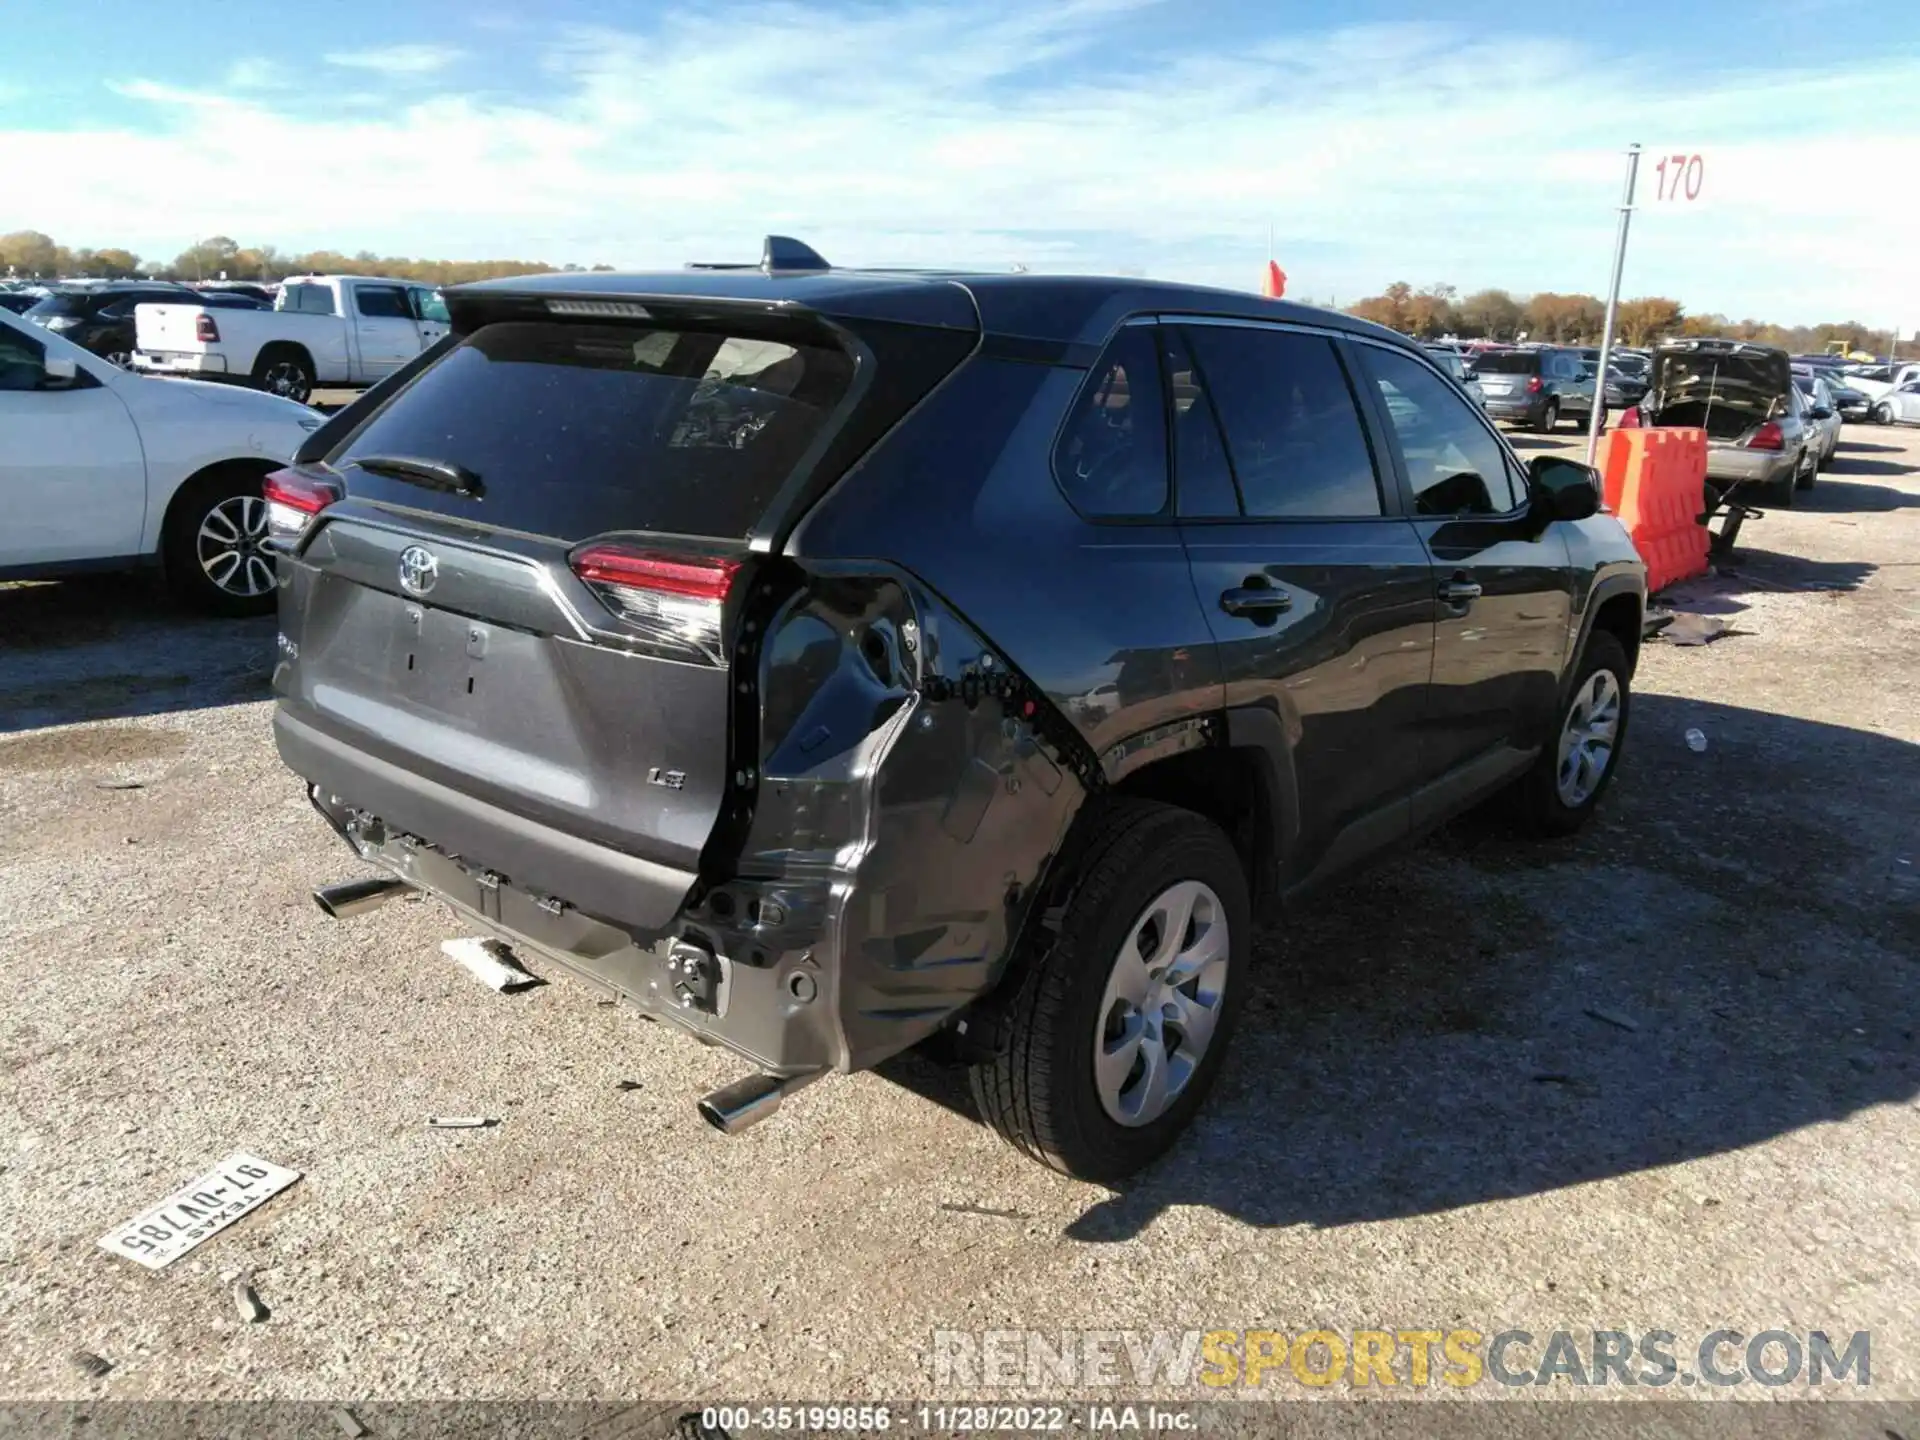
{"points": [[293, 498], [1534, 387], [204, 330], [1629, 419], [676, 602], [1767, 437]]}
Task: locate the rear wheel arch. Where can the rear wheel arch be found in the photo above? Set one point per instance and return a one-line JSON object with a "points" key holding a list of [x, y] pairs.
{"points": [[277, 351]]}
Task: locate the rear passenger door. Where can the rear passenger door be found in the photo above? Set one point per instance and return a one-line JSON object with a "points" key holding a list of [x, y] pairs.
{"points": [[1502, 593], [1317, 588], [384, 329]]}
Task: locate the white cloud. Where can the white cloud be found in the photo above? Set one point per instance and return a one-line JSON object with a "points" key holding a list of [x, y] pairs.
{"points": [[932, 133], [257, 73], [397, 59]]}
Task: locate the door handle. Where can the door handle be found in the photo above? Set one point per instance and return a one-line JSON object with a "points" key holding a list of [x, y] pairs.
{"points": [[1256, 600], [1459, 592]]}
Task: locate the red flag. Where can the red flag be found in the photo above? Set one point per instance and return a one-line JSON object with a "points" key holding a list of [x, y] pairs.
{"points": [[1275, 285]]}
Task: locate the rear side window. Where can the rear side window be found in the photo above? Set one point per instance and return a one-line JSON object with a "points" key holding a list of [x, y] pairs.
{"points": [[307, 299], [1111, 458], [579, 429], [1293, 431], [382, 302]]}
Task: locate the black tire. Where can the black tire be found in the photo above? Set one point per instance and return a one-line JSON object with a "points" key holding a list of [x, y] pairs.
{"points": [[1040, 1093], [284, 370], [1804, 480], [1541, 807], [1549, 417], [1883, 414], [1782, 490], [188, 554]]}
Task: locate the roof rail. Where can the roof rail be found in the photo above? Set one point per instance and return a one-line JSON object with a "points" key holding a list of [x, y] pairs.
{"points": [[777, 252]]}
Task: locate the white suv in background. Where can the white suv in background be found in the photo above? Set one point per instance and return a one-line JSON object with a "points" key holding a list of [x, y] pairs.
{"points": [[104, 469]]}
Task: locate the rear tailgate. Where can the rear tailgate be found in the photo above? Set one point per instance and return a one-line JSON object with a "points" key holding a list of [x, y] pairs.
{"points": [[169, 328], [519, 625]]}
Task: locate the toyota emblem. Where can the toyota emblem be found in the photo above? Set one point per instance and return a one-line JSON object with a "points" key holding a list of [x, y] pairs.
{"points": [[418, 570]]}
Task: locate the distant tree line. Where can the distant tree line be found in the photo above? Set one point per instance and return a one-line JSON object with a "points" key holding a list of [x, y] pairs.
{"points": [[28, 254], [1578, 319]]}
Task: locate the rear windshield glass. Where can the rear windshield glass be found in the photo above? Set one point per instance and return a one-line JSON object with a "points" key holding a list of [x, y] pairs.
{"points": [[578, 429], [1508, 362], [66, 304]]}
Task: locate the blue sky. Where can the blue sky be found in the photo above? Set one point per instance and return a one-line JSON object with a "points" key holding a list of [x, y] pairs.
{"points": [[1162, 137]]}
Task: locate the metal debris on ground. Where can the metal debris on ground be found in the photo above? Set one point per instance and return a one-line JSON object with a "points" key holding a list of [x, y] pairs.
{"points": [[198, 1210], [461, 1122], [92, 1364], [1686, 628], [1613, 1018], [964, 1208], [247, 1301], [490, 962], [119, 785], [626, 1084]]}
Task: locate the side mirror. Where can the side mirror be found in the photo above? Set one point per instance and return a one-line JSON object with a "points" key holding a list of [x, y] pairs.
{"points": [[1821, 412], [1563, 489]]}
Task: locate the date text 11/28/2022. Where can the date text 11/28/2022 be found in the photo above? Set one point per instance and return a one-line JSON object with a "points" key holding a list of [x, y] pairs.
{"points": [[944, 1419]]}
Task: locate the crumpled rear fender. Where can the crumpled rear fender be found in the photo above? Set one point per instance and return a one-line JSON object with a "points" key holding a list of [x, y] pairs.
{"points": [[911, 790]]}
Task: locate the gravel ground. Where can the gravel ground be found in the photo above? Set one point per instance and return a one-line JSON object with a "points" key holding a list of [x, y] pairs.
{"points": [[1423, 1125]]}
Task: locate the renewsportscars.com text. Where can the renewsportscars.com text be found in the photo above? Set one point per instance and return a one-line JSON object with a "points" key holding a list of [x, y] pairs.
{"points": [[1057, 1360]]}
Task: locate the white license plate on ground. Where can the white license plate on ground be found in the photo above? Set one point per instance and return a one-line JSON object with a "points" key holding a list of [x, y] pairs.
{"points": [[197, 1210]]}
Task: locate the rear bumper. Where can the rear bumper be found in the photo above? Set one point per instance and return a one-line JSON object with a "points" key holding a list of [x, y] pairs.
{"points": [[1527, 411], [181, 362], [505, 882], [1748, 469]]}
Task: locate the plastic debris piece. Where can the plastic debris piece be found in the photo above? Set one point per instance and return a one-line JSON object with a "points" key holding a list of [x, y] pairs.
{"points": [[119, 785], [247, 1301], [1697, 740], [349, 1423], [461, 1122], [92, 1364], [490, 962], [1614, 1018], [626, 1084]]}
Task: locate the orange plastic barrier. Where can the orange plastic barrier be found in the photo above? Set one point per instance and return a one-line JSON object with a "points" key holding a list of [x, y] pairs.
{"points": [[1655, 481]]}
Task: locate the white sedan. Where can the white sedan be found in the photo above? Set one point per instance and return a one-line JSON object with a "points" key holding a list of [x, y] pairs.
{"points": [[103, 469], [1900, 405]]}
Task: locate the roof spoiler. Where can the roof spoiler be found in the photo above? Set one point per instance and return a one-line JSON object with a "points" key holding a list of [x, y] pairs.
{"points": [[777, 252]]}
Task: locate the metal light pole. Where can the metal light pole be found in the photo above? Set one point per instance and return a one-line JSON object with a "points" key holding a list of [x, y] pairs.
{"points": [[1613, 303]]}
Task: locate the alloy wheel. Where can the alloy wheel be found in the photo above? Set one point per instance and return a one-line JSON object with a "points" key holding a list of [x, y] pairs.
{"points": [[232, 547], [288, 380], [1162, 1003], [1588, 737]]}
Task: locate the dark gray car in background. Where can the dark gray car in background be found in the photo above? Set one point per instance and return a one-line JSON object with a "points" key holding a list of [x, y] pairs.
{"points": [[828, 662], [1537, 388]]}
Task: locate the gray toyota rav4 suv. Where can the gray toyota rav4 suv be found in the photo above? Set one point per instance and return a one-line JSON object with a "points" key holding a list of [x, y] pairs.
{"points": [[829, 662]]}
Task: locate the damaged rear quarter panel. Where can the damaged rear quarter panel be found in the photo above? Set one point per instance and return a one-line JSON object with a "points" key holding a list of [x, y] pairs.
{"points": [[934, 842], [906, 806]]}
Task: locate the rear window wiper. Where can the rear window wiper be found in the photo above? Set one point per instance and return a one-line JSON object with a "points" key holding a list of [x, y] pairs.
{"points": [[431, 474]]}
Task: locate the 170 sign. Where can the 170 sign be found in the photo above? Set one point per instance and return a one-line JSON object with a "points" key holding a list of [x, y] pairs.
{"points": [[1680, 177]]}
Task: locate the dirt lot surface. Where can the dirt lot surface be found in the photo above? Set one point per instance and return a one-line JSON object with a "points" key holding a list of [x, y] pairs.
{"points": [[1424, 1124]]}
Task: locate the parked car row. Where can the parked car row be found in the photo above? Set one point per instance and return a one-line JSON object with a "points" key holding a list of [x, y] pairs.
{"points": [[103, 469], [350, 330]]}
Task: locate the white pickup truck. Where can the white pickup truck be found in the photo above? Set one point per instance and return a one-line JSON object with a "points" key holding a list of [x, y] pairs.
{"points": [[347, 330]]}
